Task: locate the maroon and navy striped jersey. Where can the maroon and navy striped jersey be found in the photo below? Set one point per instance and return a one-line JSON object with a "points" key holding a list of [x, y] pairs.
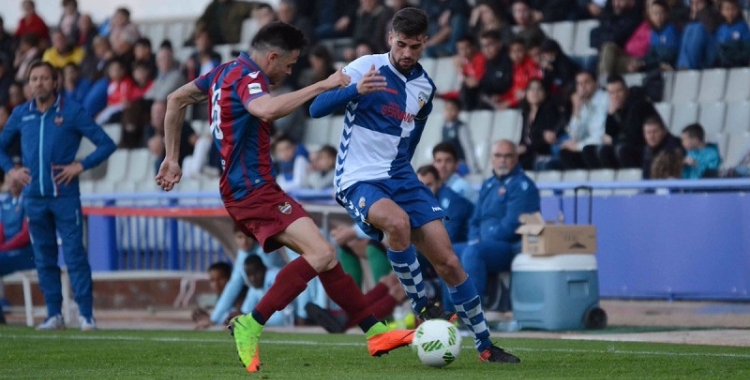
{"points": [[243, 140]]}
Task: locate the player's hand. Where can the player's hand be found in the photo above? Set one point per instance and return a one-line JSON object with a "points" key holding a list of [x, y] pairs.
{"points": [[169, 174], [338, 79], [371, 82], [67, 173], [21, 175]]}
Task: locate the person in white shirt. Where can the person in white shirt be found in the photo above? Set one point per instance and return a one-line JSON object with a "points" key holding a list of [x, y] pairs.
{"points": [[586, 127]]}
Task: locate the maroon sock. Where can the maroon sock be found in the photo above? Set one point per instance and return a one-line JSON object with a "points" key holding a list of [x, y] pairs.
{"points": [[290, 282], [376, 293], [344, 292], [380, 308]]}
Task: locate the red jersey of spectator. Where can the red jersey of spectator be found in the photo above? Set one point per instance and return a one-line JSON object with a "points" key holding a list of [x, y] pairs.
{"points": [[35, 25], [523, 72], [139, 91], [473, 67], [120, 91]]}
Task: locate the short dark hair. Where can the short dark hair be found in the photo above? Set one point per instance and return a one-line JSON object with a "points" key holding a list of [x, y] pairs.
{"points": [[223, 267], [39, 63], [661, 3], [445, 147], [492, 34], [410, 22], [695, 131], [655, 119], [518, 41], [616, 78], [468, 38], [550, 46], [590, 73], [124, 11], [329, 149], [143, 41], [428, 169], [279, 35], [254, 261], [454, 101]]}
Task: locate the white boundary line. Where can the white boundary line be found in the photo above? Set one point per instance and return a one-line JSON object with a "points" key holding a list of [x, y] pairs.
{"points": [[609, 350]]}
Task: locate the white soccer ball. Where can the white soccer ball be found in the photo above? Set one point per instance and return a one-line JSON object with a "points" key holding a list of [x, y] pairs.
{"points": [[437, 343]]}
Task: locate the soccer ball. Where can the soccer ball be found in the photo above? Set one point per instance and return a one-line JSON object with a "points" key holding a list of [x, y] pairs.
{"points": [[437, 343]]}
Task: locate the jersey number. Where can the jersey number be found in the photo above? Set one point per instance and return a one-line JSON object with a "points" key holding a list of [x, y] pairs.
{"points": [[216, 115]]}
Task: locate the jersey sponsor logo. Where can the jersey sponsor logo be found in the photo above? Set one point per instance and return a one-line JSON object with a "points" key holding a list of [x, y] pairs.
{"points": [[216, 114], [501, 191], [254, 88], [285, 208], [254, 74], [391, 91], [393, 111]]}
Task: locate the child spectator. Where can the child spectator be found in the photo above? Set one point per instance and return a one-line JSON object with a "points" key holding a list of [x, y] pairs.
{"points": [[457, 133], [142, 80], [471, 63], [74, 86], [321, 173], [664, 44], [733, 36], [702, 160], [524, 70], [292, 162], [742, 169], [118, 93]]}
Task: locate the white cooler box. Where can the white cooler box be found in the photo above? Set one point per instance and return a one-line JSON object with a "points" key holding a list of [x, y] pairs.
{"points": [[558, 292]]}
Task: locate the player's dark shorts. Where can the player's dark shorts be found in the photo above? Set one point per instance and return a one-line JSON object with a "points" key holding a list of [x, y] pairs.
{"points": [[410, 194], [264, 213]]}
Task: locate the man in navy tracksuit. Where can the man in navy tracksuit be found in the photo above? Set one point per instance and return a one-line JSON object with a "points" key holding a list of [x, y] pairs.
{"points": [[493, 242], [51, 128]]}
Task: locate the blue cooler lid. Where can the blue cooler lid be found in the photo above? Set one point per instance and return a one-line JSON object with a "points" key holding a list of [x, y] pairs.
{"points": [[554, 263]]}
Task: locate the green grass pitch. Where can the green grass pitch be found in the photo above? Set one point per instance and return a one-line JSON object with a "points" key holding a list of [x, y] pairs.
{"points": [[71, 354]]}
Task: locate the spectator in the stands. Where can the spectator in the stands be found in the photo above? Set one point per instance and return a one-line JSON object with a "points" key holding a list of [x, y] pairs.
{"points": [[292, 163], [63, 52], [321, 66], [664, 44], [702, 159], [742, 169], [371, 22], [143, 53], [698, 47], [223, 20], [458, 210], [448, 22], [445, 160], [498, 74], [667, 165], [86, 33], [618, 23], [31, 23], [659, 141], [558, 70], [219, 274], [75, 86], [7, 43], [155, 136], [133, 122], [526, 28], [578, 146], [123, 34], [733, 36], [119, 92], [322, 169], [288, 12], [142, 81], [15, 95], [542, 121], [69, 21], [16, 253], [168, 76], [553, 10], [263, 14], [333, 18], [470, 64], [6, 80], [363, 48], [28, 51], [204, 59], [623, 143], [456, 132], [484, 18], [524, 70], [94, 67]]}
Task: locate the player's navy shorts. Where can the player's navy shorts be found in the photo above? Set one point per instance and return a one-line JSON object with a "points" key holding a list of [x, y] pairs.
{"points": [[409, 193], [264, 213]]}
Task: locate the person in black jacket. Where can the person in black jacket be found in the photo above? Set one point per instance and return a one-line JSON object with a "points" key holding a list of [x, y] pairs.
{"points": [[498, 75], [558, 70], [618, 23], [658, 141], [541, 123], [623, 137]]}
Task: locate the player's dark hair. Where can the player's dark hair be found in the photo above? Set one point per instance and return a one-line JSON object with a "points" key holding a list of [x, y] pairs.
{"points": [[281, 36], [410, 22], [38, 63], [445, 147], [329, 150], [254, 262], [695, 131], [428, 169], [223, 267]]}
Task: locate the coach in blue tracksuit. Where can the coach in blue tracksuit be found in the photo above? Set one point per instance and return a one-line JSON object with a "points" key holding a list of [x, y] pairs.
{"points": [[51, 128], [493, 242]]}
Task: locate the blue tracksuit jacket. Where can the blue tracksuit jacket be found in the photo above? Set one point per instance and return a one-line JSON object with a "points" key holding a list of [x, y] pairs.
{"points": [[501, 201], [458, 211], [53, 138]]}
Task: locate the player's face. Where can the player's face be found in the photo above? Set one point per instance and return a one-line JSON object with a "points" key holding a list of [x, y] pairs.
{"points": [[280, 65], [445, 164], [430, 181], [405, 51], [41, 83], [504, 158]]}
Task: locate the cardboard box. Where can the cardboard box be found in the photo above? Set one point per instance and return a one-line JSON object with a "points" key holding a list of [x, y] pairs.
{"points": [[540, 238]]}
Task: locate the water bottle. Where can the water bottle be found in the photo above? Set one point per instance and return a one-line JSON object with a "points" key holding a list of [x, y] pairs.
{"points": [[398, 317], [289, 315]]}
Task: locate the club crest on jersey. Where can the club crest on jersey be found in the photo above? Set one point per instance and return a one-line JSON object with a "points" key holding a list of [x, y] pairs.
{"points": [[422, 98], [58, 120], [501, 191], [285, 208], [254, 88], [362, 202]]}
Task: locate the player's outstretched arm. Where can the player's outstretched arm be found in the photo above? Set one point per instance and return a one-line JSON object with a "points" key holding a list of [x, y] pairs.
{"points": [[177, 102], [270, 108], [328, 102]]}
